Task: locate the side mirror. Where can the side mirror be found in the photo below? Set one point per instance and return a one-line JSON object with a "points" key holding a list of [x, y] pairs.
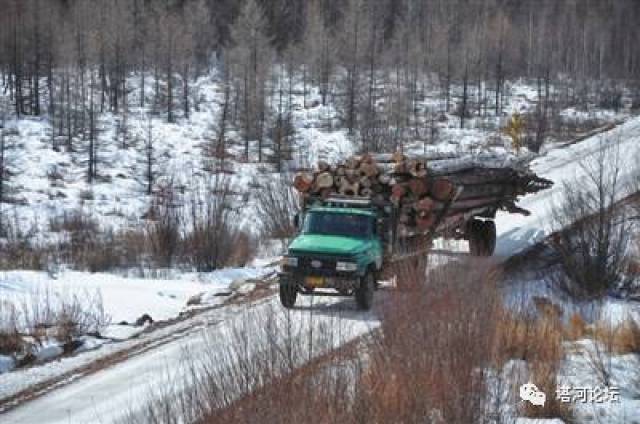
{"points": [[296, 220]]}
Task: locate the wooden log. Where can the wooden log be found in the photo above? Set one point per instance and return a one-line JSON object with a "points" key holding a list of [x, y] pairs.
{"points": [[348, 188], [325, 193], [303, 182], [323, 180], [352, 175], [352, 163], [475, 203], [366, 192], [425, 221], [397, 192], [365, 182], [404, 218], [367, 158], [487, 190], [323, 166], [398, 157], [429, 156], [425, 204], [418, 186], [400, 168], [384, 179], [368, 169], [408, 200], [377, 188], [442, 189], [417, 168], [485, 176]]}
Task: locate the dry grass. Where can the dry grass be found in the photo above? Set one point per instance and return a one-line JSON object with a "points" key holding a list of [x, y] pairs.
{"points": [[426, 362], [82, 244], [431, 360], [618, 339], [44, 315], [627, 338], [576, 328], [537, 340], [11, 341]]}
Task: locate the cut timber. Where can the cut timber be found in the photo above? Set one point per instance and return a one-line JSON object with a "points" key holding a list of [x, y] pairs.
{"points": [[348, 189], [384, 179], [398, 157], [365, 182], [425, 220], [442, 189], [417, 168], [303, 182], [429, 194], [397, 192], [425, 204], [418, 186], [324, 180], [368, 169], [352, 163]]}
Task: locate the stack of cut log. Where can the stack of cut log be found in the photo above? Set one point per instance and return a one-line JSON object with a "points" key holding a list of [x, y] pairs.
{"points": [[420, 187]]}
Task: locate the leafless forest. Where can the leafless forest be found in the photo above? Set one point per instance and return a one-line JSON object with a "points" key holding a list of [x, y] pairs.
{"points": [[71, 60]]}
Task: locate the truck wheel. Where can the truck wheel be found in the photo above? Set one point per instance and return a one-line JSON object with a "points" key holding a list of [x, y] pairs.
{"points": [[364, 293], [482, 237], [288, 295]]}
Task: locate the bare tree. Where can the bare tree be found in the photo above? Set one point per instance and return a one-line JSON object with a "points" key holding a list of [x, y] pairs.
{"points": [[213, 230], [593, 229], [276, 205], [250, 61], [149, 158]]}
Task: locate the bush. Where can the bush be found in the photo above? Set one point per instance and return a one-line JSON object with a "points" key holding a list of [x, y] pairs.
{"points": [[611, 98], [276, 205], [10, 339], [437, 341], [213, 239], [164, 226], [593, 232]]}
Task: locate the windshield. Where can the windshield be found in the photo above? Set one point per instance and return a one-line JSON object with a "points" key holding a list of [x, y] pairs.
{"points": [[341, 224]]}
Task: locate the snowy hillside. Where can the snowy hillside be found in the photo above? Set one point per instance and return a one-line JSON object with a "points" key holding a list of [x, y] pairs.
{"points": [[51, 182]]}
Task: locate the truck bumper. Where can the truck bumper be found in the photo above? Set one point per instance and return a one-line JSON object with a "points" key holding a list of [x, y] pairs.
{"points": [[340, 281]]}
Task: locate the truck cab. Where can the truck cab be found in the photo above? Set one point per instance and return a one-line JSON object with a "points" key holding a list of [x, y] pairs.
{"points": [[338, 251]]}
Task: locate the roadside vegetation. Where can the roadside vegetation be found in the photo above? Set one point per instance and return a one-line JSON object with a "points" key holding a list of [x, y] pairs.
{"points": [[45, 325]]}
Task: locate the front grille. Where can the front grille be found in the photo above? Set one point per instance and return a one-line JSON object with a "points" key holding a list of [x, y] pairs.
{"points": [[306, 263]]}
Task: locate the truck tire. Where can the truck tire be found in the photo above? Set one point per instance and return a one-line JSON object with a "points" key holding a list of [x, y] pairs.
{"points": [[364, 293], [482, 237], [288, 294]]}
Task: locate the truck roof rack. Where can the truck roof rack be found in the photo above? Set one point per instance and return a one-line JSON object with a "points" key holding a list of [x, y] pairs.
{"points": [[350, 201]]}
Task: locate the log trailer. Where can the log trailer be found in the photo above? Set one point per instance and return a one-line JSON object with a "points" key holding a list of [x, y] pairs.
{"points": [[392, 209]]}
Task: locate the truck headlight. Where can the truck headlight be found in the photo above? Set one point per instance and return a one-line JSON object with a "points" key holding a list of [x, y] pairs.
{"points": [[290, 261], [346, 266]]}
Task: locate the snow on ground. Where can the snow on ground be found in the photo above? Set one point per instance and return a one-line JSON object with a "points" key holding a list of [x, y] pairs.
{"points": [[112, 392], [580, 369], [562, 166], [51, 182], [126, 299], [116, 301]]}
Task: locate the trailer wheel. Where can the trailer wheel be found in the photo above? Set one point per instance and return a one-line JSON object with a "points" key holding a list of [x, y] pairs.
{"points": [[288, 294], [482, 237], [364, 293]]}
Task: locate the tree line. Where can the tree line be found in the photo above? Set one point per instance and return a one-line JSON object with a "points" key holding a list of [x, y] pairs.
{"points": [[72, 60]]}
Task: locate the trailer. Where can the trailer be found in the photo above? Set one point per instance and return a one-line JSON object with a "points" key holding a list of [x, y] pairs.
{"points": [[362, 216]]}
